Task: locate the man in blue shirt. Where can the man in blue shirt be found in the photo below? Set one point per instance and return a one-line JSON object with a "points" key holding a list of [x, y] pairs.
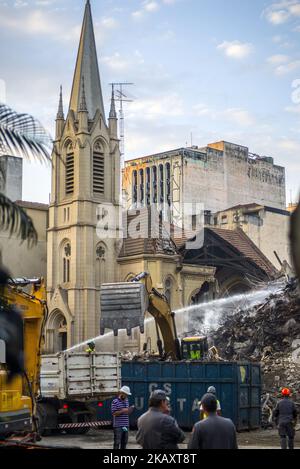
{"points": [[120, 411]]}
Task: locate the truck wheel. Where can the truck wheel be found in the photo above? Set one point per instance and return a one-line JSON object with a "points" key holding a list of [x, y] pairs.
{"points": [[41, 417], [81, 418]]}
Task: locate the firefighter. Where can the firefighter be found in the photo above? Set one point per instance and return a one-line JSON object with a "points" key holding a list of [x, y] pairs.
{"points": [[90, 347], [285, 416]]}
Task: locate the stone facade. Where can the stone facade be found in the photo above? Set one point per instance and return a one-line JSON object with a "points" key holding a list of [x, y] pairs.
{"points": [[85, 184]]}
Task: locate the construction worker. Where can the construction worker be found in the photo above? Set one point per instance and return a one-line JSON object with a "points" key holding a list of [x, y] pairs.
{"points": [[121, 410], [195, 353], [211, 390], [285, 416], [91, 347]]}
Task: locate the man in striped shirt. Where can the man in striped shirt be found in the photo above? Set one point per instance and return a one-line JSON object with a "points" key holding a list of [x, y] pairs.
{"points": [[120, 411]]}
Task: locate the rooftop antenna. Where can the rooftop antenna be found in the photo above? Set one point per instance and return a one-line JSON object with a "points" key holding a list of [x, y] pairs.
{"points": [[122, 98]]}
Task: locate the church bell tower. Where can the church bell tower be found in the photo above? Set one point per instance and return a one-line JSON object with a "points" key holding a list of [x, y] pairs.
{"points": [[85, 186]]}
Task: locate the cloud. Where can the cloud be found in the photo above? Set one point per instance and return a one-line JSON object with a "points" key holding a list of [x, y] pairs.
{"points": [[151, 6], [38, 22], [291, 146], [117, 62], [283, 64], [293, 109], [169, 105], [236, 49], [289, 67], [281, 12], [20, 4], [148, 6], [238, 116], [109, 23], [278, 59]]}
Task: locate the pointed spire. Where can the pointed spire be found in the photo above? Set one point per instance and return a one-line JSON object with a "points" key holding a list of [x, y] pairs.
{"points": [[83, 106], [60, 112], [87, 70], [113, 114]]}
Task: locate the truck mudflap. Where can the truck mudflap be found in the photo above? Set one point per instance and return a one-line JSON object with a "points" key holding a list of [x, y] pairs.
{"points": [[66, 426], [123, 306]]}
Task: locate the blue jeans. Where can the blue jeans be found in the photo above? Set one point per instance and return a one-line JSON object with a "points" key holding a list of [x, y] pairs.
{"points": [[120, 438]]}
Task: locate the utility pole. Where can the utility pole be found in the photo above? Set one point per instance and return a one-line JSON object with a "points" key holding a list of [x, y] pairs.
{"points": [[122, 98]]}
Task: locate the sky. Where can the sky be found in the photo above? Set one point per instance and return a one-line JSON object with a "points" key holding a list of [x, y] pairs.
{"points": [[203, 71]]}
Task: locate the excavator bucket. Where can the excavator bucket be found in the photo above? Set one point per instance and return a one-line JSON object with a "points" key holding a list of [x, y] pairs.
{"points": [[123, 306]]}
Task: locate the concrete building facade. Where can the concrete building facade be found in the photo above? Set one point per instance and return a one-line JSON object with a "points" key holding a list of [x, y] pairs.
{"points": [[218, 176], [11, 180], [15, 255], [267, 227]]}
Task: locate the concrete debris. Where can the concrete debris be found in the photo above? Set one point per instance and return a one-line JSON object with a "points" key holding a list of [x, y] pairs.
{"points": [[269, 333]]}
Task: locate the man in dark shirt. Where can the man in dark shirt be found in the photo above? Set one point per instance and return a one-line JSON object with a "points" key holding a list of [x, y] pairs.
{"points": [[285, 416], [214, 432], [156, 428]]}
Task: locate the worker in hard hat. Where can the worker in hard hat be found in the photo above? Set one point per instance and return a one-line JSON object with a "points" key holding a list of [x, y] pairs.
{"points": [[203, 415], [90, 347], [285, 416], [121, 410]]}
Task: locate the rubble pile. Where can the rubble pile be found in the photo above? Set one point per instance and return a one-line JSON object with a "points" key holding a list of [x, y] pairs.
{"points": [[269, 333]]}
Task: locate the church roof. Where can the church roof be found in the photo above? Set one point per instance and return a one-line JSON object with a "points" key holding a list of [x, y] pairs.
{"points": [[87, 70]]}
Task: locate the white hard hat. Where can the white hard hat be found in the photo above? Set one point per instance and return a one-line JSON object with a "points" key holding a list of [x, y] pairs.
{"points": [[125, 390]]}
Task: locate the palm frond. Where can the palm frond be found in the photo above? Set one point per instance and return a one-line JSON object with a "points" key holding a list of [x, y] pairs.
{"points": [[15, 220], [23, 135]]}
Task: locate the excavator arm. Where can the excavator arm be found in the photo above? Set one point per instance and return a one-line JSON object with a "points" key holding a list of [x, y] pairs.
{"points": [[124, 305]]}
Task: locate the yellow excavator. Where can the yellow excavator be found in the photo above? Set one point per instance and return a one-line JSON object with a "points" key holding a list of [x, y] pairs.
{"points": [[23, 315], [123, 306]]}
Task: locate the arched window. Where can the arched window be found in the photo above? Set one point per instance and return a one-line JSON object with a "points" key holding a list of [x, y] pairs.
{"points": [[66, 262], [101, 274], [168, 290], [69, 169], [98, 169]]}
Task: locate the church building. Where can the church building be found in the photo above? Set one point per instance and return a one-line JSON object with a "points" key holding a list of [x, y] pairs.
{"points": [[85, 180]]}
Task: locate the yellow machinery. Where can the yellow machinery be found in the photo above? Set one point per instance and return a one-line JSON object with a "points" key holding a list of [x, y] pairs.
{"points": [[123, 306], [18, 393]]}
